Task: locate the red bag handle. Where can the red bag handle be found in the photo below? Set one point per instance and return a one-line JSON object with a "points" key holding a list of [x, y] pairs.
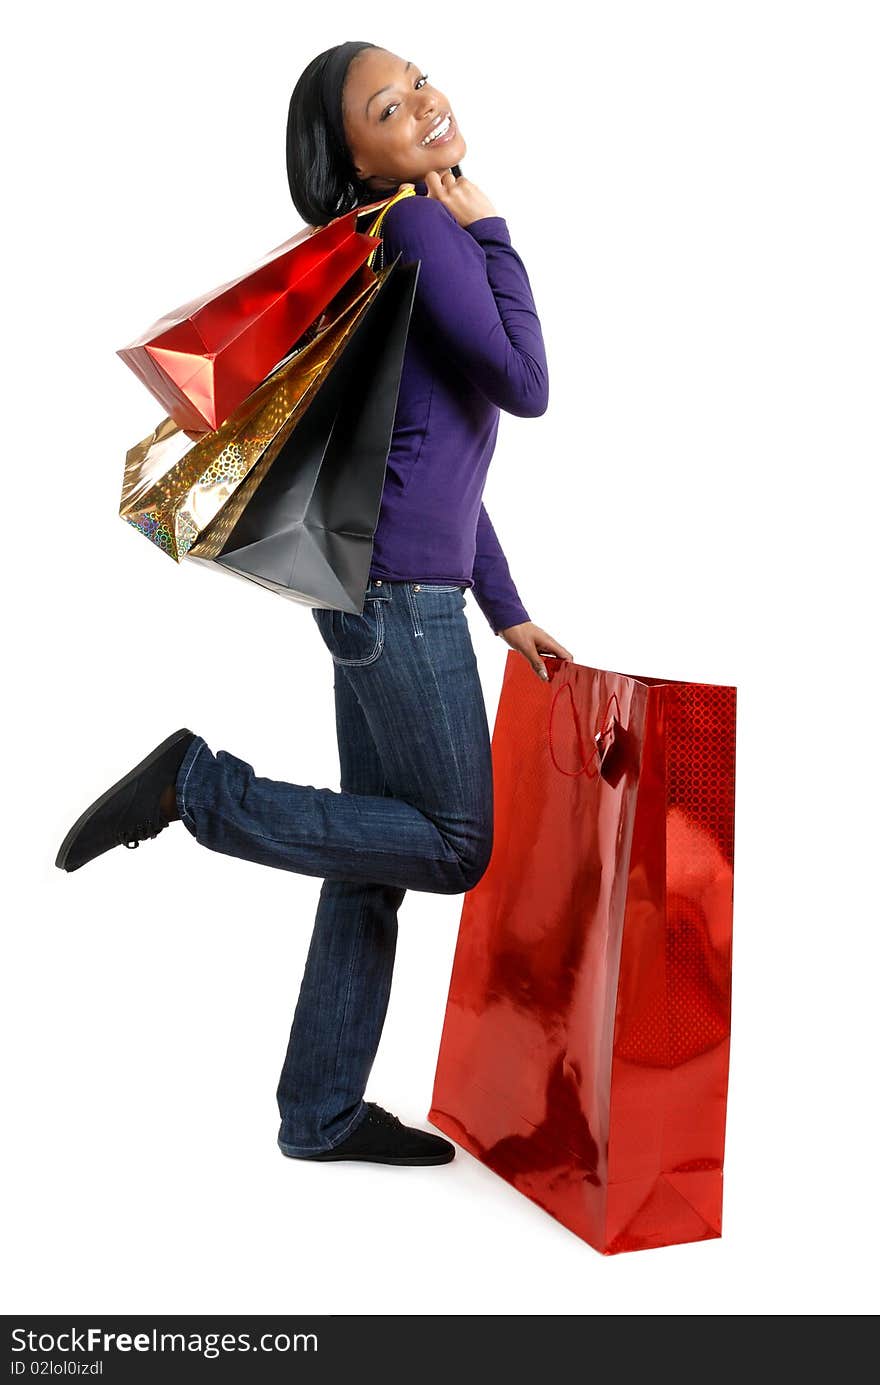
{"points": [[605, 726]]}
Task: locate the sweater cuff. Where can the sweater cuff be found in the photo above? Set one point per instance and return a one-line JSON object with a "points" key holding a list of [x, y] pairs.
{"points": [[502, 617], [488, 228]]}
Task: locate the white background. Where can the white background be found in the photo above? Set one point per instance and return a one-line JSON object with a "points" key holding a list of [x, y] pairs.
{"points": [[693, 189]]}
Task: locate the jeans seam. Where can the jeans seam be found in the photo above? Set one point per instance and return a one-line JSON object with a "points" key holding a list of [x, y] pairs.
{"points": [[442, 705], [181, 791], [347, 850], [322, 1149], [345, 1008], [414, 615], [374, 655]]}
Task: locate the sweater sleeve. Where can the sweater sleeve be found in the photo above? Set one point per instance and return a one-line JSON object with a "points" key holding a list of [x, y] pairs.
{"points": [[494, 589], [474, 296]]}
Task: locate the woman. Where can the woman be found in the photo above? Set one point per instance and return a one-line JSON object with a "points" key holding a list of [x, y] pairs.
{"points": [[415, 808]]}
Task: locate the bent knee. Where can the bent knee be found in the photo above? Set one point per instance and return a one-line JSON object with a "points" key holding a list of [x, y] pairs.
{"points": [[475, 862], [469, 844]]}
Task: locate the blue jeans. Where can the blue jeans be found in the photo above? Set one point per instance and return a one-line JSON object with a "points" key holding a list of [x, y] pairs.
{"points": [[415, 812]]}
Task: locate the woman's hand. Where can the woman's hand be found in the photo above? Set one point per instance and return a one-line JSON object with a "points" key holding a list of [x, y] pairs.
{"points": [[532, 642], [462, 197]]}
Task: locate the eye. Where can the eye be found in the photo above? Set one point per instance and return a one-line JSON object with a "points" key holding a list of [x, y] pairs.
{"points": [[394, 104]]}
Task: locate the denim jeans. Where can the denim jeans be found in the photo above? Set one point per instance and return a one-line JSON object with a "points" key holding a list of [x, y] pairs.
{"points": [[415, 812]]}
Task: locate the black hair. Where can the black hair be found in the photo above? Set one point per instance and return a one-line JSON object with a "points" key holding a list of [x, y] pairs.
{"points": [[320, 172]]}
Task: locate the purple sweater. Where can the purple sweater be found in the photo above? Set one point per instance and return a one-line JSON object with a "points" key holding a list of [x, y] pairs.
{"points": [[475, 347]]}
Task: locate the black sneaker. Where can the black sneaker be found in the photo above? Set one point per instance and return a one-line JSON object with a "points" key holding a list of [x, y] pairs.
{"points": [[380, 1138], [130, 811]]}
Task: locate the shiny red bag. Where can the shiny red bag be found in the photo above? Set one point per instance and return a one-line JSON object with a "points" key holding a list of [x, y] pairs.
{"points": [[202, 360], [584, 1054]]}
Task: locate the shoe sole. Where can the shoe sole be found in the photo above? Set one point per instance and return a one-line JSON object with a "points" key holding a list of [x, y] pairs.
{"points": [[330, 1158], [154, 755]]}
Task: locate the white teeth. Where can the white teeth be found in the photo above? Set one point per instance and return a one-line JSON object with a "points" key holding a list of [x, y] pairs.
{"points": [[440, 129]]}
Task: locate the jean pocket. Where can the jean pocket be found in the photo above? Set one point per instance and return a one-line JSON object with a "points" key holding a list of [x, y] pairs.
{"points": [[353, 640]]}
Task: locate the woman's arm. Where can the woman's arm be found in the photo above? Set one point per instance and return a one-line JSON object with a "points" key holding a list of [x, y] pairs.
{"points": [[474, 296], [494, 589]]}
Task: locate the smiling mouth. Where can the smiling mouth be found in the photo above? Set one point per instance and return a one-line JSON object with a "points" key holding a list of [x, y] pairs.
{"points": [[438, 132]]}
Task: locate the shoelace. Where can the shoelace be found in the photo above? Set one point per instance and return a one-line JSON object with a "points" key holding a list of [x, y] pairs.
{"points": [[133, 834], [379, 1116]]}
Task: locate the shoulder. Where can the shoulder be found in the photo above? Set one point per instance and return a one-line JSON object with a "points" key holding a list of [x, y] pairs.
{"points": [[420, 222]]}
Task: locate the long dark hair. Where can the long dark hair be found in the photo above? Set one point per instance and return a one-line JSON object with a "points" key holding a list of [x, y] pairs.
{"points": [[323, 182]]}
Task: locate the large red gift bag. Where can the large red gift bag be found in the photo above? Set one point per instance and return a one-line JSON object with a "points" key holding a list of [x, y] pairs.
{"points": [[584, 1054]]}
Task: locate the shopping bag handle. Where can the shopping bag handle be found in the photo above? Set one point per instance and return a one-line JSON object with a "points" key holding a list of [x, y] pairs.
{"points": [[375, 225], [373, 206], [603, 738]]}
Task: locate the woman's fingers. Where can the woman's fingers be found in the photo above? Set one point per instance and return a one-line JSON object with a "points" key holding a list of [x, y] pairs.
{"points": [[534, 646], [533, 642], [548, 645], [541, 643], [441, 183]]}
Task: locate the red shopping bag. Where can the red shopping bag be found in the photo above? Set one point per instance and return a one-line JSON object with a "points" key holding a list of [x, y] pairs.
{"points": [[584, 1054], [203, 359]]}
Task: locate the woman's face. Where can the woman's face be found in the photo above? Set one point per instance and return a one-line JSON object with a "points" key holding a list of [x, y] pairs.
{"points": [[388, 108]]}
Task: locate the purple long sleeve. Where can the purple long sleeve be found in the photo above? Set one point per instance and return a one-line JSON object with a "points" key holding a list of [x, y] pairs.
{"points": [[494, 588], [475, 347]]}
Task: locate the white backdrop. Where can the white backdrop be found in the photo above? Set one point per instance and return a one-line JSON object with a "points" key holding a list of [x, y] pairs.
{"points": [[693, 190]]}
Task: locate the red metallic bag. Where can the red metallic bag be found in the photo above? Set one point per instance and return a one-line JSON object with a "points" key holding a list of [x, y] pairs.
{"points": [[584, 1055], [202, 360]]}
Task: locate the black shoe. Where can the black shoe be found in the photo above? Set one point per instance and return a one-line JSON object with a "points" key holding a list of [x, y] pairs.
{"points": [[130, 811], [381, 1139]]}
